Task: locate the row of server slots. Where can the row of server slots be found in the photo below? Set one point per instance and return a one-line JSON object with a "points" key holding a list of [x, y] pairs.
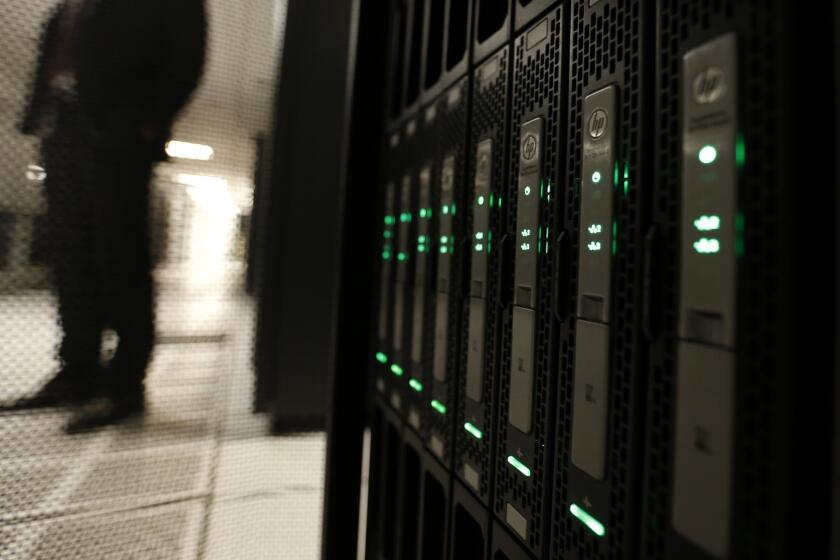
{"points": [[583, 343]]}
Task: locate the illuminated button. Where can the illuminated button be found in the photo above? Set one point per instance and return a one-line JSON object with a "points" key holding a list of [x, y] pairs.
{"points": [[481, 201], [528, 190], [707, 154], [596, 177]]}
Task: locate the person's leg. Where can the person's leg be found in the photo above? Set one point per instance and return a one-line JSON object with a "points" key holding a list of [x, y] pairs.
{"points": [[69, 234], [121, 180]]}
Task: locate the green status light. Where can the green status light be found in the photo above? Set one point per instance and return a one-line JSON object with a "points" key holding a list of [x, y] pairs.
{"points": [[473, 431], [706, 246], [519, 465], [381, 358], [596, 177], [416, 385], [707, 223], [481, 200], [439, 406], [707, 154], [591, 523], [397, 370], [401, 256]]}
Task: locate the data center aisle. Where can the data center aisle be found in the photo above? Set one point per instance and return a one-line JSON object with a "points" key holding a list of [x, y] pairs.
{"points": [[198, 477]]}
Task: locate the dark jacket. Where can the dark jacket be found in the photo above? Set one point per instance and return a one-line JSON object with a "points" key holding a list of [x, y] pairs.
{"points": [[137, 63]]}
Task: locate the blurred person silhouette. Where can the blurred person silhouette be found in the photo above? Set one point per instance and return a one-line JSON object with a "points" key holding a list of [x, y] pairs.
{"points": [[111, 77]]}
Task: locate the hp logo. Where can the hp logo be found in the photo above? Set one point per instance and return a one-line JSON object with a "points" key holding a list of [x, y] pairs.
{"points": [[597, 123]]}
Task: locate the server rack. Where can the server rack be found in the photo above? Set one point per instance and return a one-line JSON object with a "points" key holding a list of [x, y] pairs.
{"points": [[525, 414], [649, 448], [406, 197], [475, 432], [419, 357], [385, 355], [728, 471], [450, 156], [601, 368]]}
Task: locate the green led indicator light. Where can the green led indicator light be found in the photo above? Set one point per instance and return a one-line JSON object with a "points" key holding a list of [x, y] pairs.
{"points": [[740, 151], [388, 234], [739, 234], [473, 431], [479, 247], [397, 370], [445, 210], [707, 154], [519, 465], [443, 250], [499, 202], [444, 239], [626, 178], [439, 406], [596, 177], [416, 385], [591, 523], [423, 213], [381, 358], [480, 201], [491, 200], [706, 246], [422, 238], [452, 209], [527, 190], [401, 256], [390, 220], [386, 255], [615, 176], [707, 223], [479, 235], [615, 237]]}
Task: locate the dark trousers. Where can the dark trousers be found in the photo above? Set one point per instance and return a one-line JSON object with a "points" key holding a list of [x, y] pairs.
{"points": [[97, 192]]}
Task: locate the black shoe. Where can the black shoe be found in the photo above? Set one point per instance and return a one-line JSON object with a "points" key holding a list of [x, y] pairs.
{"points": [[59, 391], [105, 411]]}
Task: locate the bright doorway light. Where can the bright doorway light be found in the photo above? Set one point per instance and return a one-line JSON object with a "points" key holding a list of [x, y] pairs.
{"points": [[187, 150]]}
